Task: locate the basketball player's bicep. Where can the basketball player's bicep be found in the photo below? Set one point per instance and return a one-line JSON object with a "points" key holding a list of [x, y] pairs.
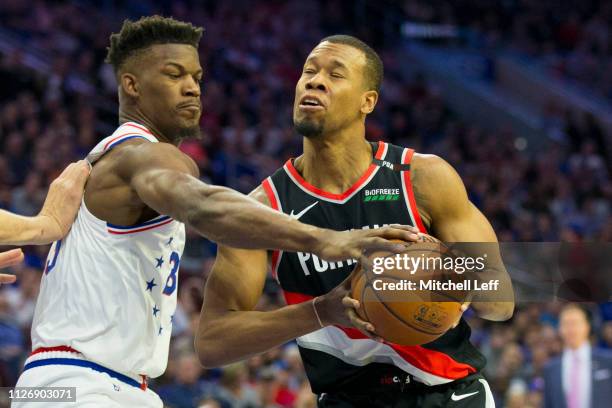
{"points": [[469, 225], [237, 280], [453, 217]]}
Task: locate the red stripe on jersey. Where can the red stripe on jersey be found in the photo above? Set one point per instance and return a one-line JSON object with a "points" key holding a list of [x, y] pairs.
{"points": [[57, 348], [267, 186], [142, 128], [117, 232], [293, 298], [270, 193], [117, 138], [412, 201], [358, 184], [430, 361], [380, 150]]}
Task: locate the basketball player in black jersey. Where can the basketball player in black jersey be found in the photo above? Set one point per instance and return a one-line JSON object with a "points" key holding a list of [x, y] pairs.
{"points": [[333, 185]]}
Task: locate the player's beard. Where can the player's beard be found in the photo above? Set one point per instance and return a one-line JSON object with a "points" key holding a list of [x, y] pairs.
{"points": [[309, 128], [191, 132]]}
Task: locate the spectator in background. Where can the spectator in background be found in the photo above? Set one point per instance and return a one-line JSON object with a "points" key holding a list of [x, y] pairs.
{"points": [[582, 376], [251, 53], [187, 388], [235, 392]]}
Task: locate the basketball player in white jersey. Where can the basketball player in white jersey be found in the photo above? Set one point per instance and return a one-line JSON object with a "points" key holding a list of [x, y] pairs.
{"points": [[51, 224], [108, 295]]}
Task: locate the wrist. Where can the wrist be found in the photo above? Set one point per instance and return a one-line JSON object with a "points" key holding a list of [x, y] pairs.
{"points": [[311, 240], [316, 312], [45, 229], [322, 308]]}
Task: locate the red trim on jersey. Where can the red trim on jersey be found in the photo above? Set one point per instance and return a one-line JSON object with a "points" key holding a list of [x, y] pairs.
{"points": [[144, 129], [117, 232], [267, 186], [358, 184], [57, 348], [270, 193], [293, 298], [412, 201], [119, 137], [144, 384], [431, 361]]}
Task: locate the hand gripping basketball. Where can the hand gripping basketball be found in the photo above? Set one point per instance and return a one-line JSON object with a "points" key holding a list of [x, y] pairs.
{"points": [[408, 317]]}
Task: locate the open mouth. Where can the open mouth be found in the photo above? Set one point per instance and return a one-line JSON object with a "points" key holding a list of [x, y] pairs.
{"points": [[311, 103]]}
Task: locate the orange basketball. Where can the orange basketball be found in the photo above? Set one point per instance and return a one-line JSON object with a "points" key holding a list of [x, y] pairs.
{"points": [[410, 316]]}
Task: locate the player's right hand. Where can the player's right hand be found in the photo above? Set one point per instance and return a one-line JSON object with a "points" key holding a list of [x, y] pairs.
{"points": [[358, 244], [63, 201]]}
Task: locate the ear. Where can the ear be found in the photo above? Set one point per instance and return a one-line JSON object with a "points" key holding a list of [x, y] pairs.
{"points": [[129, 84], [368, 102]]}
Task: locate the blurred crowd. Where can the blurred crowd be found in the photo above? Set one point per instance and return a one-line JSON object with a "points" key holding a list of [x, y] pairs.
{"points": [[571, 40], [252, 54]]}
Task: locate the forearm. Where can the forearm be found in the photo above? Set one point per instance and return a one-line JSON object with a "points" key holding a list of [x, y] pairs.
{"points": [[233, 219], [253, 332], [19, 230], [226, 216]]}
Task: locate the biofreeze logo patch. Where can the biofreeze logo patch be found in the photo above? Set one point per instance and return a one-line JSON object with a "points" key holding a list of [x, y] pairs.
{"points": [[311, 263], [381, 194]]}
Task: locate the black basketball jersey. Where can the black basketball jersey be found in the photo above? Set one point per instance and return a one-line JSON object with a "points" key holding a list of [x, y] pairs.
{"points": [[343, 358]]}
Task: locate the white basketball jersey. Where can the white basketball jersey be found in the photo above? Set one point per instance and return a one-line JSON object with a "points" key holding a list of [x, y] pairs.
{"points": [[109, 291]]}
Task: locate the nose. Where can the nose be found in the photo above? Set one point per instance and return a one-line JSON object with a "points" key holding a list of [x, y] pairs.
{"points": [[192, 87], [316, 82]]}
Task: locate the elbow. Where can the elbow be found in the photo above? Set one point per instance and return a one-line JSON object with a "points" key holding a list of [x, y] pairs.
{"points": [[495, 311], [207, 354], [504, 311], [508, 311], [209, 350]]}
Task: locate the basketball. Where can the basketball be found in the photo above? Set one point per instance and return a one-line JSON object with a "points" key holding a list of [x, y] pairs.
{"points": [[409, 317]]}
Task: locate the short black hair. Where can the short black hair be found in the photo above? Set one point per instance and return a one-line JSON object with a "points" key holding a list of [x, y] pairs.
{"points": [[138, 35], [374, 65]]}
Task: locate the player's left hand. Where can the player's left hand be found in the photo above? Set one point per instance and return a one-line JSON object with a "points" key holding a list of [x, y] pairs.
{"points": [[9, 258], [337, 307], [63, 202], [358, 244]]}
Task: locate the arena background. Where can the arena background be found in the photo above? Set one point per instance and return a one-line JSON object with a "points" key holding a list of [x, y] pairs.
{"points": [[515, 94]]}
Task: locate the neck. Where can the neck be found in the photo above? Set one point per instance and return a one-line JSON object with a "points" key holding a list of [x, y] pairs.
{"points": [[334, 162], [140, 118]]}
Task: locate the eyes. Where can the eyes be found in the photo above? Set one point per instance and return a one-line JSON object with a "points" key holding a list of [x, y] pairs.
{"points": [[312, 71], [177, 76]]}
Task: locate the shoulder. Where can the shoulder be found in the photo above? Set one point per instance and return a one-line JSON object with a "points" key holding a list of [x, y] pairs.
{"points": [[433, 170], [133, 156], [437, 186]]}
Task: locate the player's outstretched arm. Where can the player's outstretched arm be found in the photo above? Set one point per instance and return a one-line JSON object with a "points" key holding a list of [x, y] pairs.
{"points": [[443, 202], [231, 295], [165, 180], [55, 218]]}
